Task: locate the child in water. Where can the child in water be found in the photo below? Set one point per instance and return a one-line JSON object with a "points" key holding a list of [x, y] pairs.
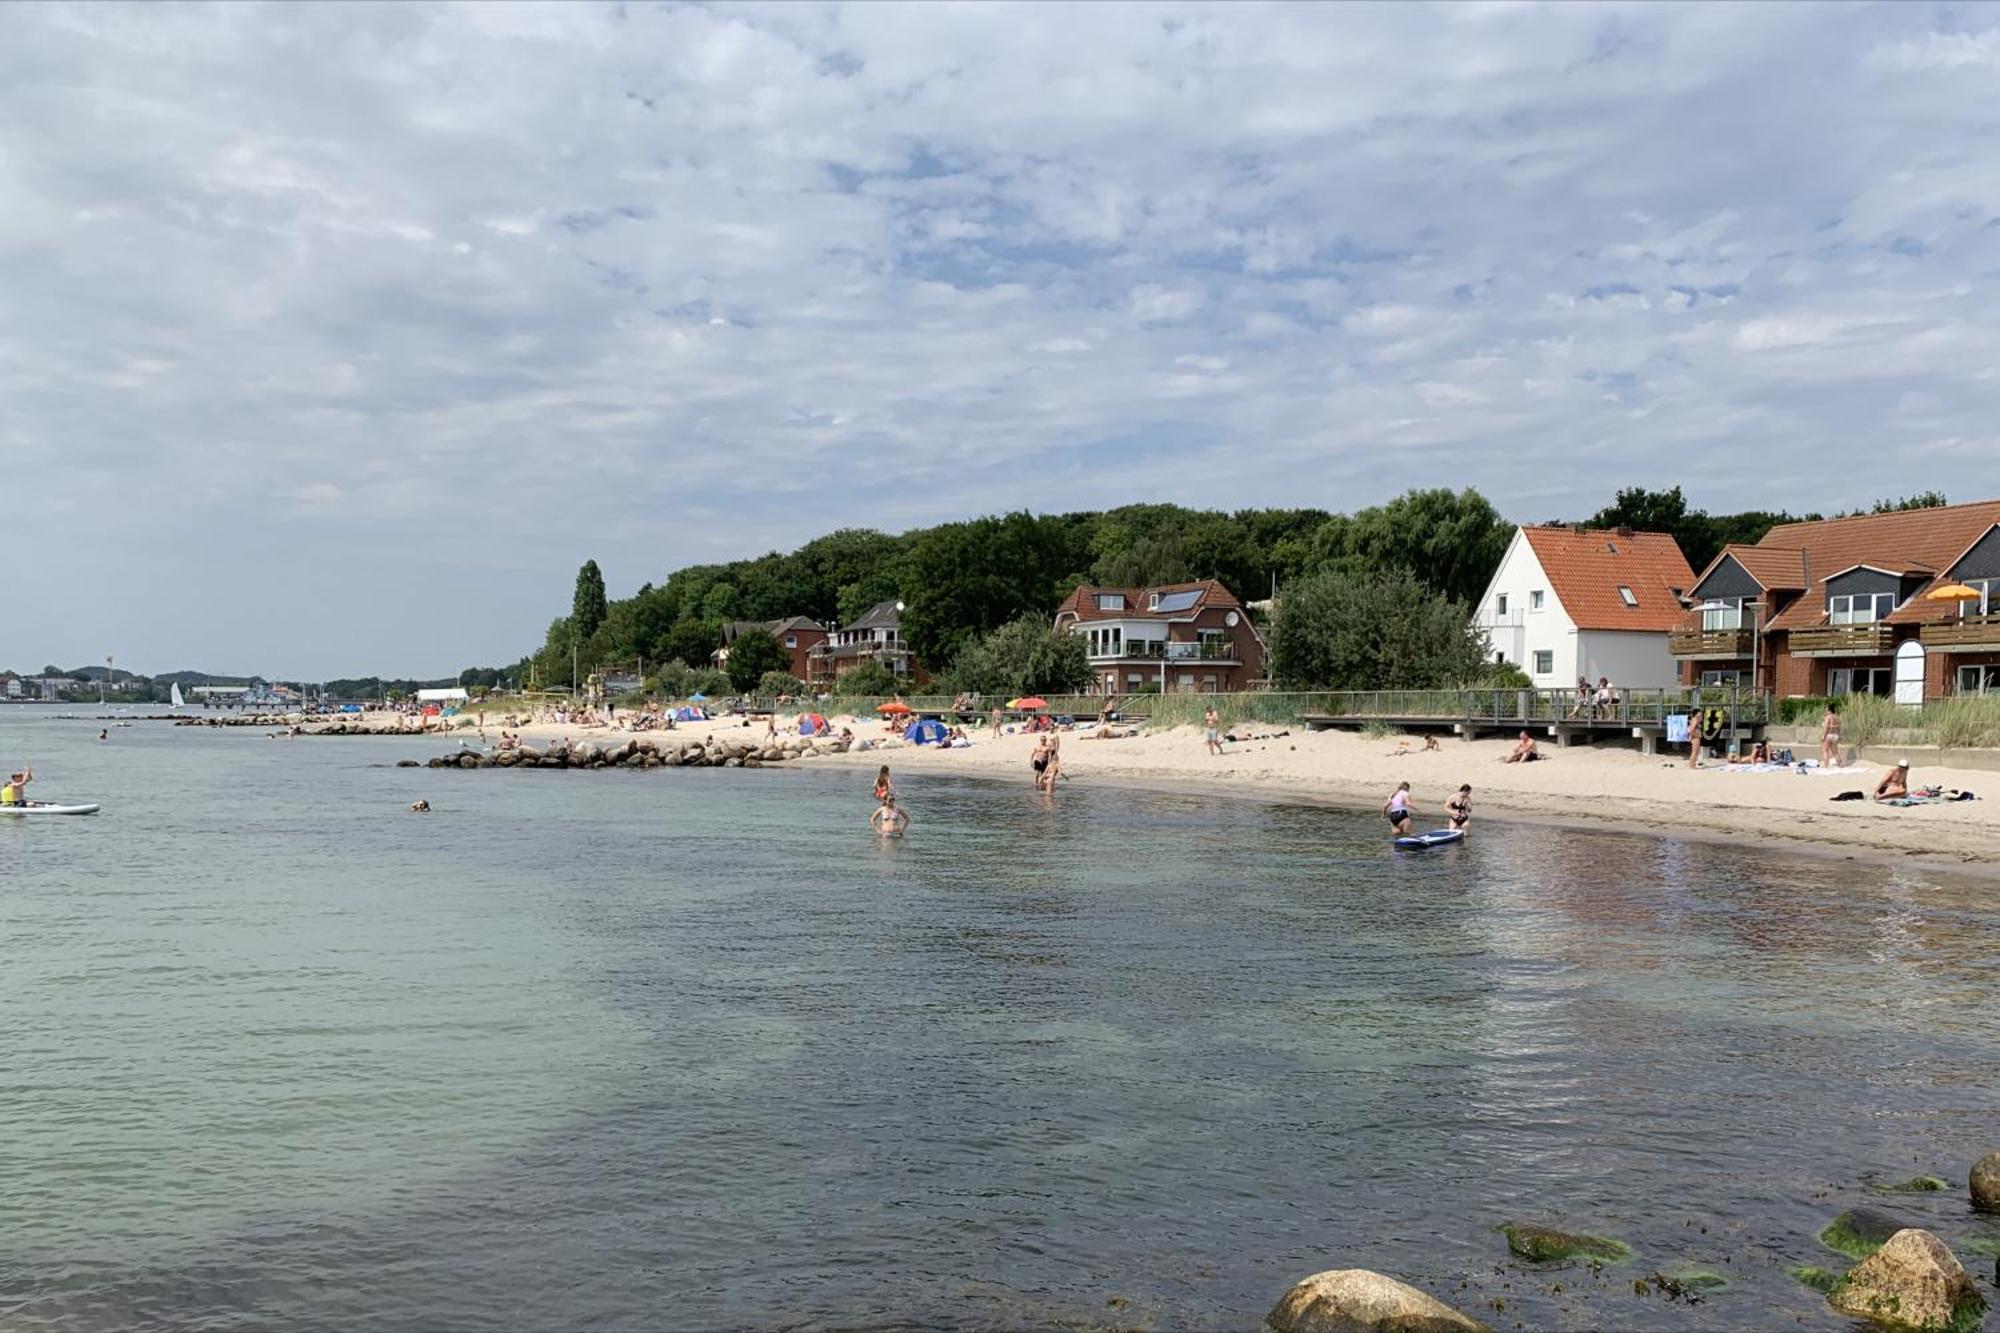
{"points": [[885, 790]]}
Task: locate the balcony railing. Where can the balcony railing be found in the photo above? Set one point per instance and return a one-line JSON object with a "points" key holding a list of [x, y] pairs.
{"points": [[1716, 643], [1973, 633], [1153, 650], [1865, 640]]}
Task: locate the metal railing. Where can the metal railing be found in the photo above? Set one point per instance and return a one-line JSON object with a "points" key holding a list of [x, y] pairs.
{"points": [[1155, 650]]}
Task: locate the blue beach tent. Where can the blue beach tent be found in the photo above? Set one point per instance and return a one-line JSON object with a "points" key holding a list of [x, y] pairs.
{"points": [[927, 732]]}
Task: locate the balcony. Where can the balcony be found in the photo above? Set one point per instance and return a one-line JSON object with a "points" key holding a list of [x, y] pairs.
{"points": [[1717, 644], [1865, 640], [1973, 634], [1153, 650]]}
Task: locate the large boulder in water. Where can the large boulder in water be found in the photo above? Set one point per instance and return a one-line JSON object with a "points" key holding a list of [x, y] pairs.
{"points": [[1859, 1232], [1914, 1281], [1542, 1245], [1985, 1183], [1355, 1300]]}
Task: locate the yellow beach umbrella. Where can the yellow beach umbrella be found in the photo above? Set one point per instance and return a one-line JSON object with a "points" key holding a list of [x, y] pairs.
{"points": [[1952, 592]]}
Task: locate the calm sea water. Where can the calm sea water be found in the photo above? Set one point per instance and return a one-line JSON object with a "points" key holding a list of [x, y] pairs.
{"points": [[691, 1050]]}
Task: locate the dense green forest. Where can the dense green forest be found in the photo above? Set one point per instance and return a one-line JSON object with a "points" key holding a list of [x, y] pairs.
{"points": [[961, 582]]}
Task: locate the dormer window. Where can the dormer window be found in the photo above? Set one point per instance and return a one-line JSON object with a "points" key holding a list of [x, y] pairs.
{"points": [[1111, 601], [1625, 595], [1153, 602]]}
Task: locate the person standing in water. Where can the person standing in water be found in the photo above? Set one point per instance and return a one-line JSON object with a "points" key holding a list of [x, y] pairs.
{"points": [[885, 790], [1398, 809], [889, 821], [1459, 807]]}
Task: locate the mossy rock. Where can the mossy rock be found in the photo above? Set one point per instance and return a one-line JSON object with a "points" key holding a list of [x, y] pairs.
{"points": [[1859, 1232], [1986, 1245], [1544, 1245], [1914, 1185], [1693, 1277], [1819, 1279]]}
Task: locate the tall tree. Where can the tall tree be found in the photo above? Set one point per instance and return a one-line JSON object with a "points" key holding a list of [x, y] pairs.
{"points": [[1381, 629], [587, 610], [1024, 656], [967, 578], [750, 656], [1450, 541]]}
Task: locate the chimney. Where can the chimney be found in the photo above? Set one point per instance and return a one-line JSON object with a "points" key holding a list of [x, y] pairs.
{"points": [[1625, 531]]}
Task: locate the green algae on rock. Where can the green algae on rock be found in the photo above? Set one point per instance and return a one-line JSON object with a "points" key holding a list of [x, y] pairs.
{"points": [[1914, 1185], [1819, 1279], [1914, 1282], [1859, 1232], [1542, 1245]]}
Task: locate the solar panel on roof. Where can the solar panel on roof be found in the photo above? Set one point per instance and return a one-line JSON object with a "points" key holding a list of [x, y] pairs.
{"points": [[1177, 601]]}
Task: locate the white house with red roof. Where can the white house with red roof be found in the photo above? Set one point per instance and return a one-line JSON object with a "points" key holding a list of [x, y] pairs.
{"points": [[1587, 602], [1183, 638]]}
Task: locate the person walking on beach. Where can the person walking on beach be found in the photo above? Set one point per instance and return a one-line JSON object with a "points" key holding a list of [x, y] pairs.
{"points": [[1212, 724], [1398, 809], [1829, 738], [1459, 807]]}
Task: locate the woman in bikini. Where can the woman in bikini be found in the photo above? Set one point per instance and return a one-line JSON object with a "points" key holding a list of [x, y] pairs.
{"points": [[1829, 738], [1459, 807]]}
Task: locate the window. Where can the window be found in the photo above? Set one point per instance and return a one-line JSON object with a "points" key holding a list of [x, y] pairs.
{"points": [[791, 641], [1723, 678], [1862, 608], [1979, 679], [1535, 600], [1111, 601], [1719, 617], [1545, 661], [1500, 605], [1860, 680], [1625, 596]]}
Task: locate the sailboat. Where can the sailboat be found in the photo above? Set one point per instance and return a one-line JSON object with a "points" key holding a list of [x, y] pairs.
{"points": [[178, 701]]}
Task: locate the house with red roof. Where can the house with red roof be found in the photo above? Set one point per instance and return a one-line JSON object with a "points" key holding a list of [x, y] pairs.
{"points": [[1183, 638], [1843, 606], [1597, 603]]}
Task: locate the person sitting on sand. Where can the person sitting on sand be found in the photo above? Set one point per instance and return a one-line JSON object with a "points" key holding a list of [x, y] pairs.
{"points": [[1895, 784], [1398, 810], [1524, 751], [1459, 807], [1760, 752], [889, 820]]}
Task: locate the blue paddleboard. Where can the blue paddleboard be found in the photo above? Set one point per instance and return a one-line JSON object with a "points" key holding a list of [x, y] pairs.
{"points": [[1437, 837]]}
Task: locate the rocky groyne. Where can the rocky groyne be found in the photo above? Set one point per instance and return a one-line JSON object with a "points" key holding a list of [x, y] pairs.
{"points": [[641, 752]]}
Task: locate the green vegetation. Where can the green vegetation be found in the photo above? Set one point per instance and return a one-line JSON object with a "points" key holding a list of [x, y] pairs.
{"points": [[1961, 722], [1386, 630], [1819, 1279], [751, 655], [870, 679], [587, 607], [1024, 656], [1914, 1185], [1543, 1245], [1859, 1232], [781, 684]]}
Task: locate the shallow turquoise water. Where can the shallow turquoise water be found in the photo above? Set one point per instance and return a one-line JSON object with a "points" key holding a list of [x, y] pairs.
{"points": [[692, 1050]]}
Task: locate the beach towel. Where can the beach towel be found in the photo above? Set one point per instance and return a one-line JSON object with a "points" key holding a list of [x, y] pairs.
{"points": [[1677, 728]]}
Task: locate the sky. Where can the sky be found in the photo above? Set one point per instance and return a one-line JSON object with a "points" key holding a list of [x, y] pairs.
{"points": [[334, 338]]}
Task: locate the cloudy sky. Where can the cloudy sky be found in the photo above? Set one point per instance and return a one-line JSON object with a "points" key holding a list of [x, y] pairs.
{"points": [[333, 338]]}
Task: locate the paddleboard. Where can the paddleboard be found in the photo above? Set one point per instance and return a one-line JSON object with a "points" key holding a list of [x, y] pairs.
{"points": [[1437, 837], [44, 808]]}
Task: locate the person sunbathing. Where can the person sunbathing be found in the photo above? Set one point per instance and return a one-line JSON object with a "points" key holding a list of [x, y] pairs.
{"points": [[1524, 751], [1895, 784]]}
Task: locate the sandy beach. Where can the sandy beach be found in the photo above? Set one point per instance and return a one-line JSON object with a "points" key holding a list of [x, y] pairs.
{"points": [[1581, 787]]}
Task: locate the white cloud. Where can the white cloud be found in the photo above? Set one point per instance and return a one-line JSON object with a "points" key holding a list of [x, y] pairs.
{"points": [[484, 290]]}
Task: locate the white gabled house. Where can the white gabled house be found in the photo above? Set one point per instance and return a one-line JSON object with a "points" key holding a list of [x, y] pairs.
{"points": [[1590, 602]]}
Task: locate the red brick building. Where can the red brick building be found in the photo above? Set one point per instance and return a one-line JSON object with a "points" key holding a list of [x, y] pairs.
{"points": [[1839, 606], [1185, 638]]}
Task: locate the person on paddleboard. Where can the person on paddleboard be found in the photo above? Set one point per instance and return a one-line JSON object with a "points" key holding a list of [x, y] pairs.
{"points": [[1397, 809], [15, 792]]}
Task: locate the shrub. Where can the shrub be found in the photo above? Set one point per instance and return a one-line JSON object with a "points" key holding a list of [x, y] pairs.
{"points": [[773, 684], [1024, 656], [1360, 630], [1805, 708], [867, 680]]}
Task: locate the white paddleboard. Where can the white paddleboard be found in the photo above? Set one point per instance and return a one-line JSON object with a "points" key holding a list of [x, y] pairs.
{"points": [[1437, 837], [45, 808]]}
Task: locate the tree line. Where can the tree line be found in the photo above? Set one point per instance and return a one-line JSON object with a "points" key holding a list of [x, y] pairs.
{"points": [[1380, 598]]}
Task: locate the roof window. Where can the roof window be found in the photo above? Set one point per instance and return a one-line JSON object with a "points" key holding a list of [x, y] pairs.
{"points": [[1625, 595], [1111, 601]]}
